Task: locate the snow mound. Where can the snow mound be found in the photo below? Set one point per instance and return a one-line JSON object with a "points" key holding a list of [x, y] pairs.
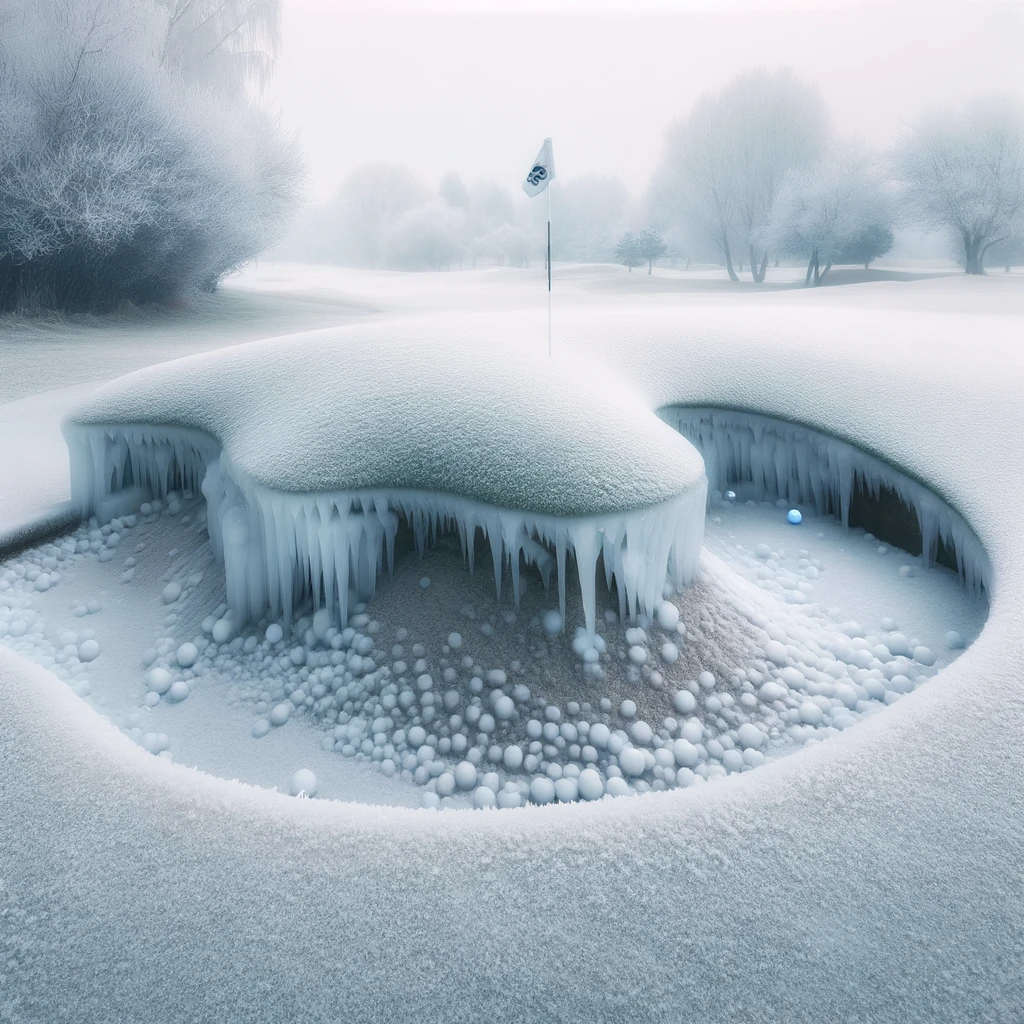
{"points": [[464, 406], [306, 481], [801, 466]]}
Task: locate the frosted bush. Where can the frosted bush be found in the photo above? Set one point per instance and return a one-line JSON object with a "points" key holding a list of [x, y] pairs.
{"points": [[135, 163]]}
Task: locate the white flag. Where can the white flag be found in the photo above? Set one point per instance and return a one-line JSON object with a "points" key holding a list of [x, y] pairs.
{"points": [[542, 171]]}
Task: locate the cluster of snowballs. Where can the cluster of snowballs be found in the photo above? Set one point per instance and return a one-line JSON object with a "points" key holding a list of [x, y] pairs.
{"points": [[39, 570], [469, 733]]}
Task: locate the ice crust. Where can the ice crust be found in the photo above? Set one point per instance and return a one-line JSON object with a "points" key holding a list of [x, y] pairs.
{"points": [[786, 460], [278, 546]]}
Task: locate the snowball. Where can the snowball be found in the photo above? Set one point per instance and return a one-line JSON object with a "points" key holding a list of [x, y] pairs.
{"points": [[627, 709], [187, 655], [954, 641], [776, 652], [222, 630], [280, 713], [171, 592], [763, 551], [424, 582], [483, 797], [667, 615], [617, 787], [179, 690], [923, 655], [637, 654], [274, 633], [750, 736], [590, 785], [567, 790], [632, 762], [669, 653], [260, 727], [793, 516], [504, 708], [454, 641], [431, 801], [446, 784], [685, 753], [810, 713], [706, 680], [416, 737], [635, 636], [512, 757], [303, 783], [542, 790], [158, 680], [599, 735], [641, 733], [89, 650], [552, 622], [771, 691], [684, 702], [465, 775]]}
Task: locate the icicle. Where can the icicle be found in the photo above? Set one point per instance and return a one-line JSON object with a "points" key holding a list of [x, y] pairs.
{"points": [[780, 459]]}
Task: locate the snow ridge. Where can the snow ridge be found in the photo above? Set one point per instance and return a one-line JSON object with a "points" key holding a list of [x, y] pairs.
{"points": [[278, 547], [785, 460]]}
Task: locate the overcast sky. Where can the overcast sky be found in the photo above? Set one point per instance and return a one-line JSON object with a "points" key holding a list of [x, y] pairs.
{"points": [[477, 85]]}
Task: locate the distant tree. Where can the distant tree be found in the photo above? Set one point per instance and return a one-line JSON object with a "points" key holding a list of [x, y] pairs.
{"points": [[426, 237], [820, 212], [368, 205], [868, 244], [627, 251], [650, 246], [137, 161], [589, 214], [724, 162], [507, 245], [453, 191], [963, 170], [1008, 253]]}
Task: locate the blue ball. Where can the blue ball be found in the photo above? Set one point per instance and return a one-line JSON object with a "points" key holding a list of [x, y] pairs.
{"points": [[793, 516]]}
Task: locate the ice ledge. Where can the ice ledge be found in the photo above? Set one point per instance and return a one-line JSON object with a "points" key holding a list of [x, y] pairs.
{"points": [[786, 460], [279, 547]]}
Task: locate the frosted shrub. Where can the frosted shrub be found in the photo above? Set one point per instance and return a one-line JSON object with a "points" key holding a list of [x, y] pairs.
{"points": [[135, 162]]}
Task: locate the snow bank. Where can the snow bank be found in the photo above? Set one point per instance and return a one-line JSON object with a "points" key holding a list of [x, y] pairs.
{"points": [[305, 491], [785, 460]]}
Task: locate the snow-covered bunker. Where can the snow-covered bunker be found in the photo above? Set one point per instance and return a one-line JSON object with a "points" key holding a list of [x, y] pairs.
{"points": [[309, 449]]}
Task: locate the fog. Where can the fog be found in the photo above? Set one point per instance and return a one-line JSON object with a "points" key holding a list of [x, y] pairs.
{"points": [[437, 86]]}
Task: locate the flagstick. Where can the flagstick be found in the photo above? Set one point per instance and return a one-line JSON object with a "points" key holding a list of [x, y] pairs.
{"points": [[548, 190]]}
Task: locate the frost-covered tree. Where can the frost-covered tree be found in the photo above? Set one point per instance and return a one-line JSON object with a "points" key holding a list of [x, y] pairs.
{"points": [[453, 191], [963, 170], [627, 251], [650, 247], [366, 208], [426, 237], [589, 213], [820, 212], [507, 245], [867, 245], [724, 162], [1008, 253], [136, 160]]}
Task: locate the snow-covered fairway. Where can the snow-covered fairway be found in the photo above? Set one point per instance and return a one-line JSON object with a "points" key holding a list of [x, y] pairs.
{"points": [[874, 877]]}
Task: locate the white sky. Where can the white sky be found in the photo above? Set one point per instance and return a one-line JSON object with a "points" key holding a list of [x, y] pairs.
{"points": [[478, 85]]}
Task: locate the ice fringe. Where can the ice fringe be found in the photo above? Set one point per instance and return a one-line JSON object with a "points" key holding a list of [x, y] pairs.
{"points": [[278, 547], [805, 467]]}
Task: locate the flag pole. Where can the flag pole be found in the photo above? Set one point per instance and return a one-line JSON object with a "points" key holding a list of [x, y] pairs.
{"points": [[548, 190]]}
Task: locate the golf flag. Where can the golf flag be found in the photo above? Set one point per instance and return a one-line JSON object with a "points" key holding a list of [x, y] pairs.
{"points": [[542, 171]]}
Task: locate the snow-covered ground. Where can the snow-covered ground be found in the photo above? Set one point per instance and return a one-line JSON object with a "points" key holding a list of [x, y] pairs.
{"points": [[875, 876]]}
